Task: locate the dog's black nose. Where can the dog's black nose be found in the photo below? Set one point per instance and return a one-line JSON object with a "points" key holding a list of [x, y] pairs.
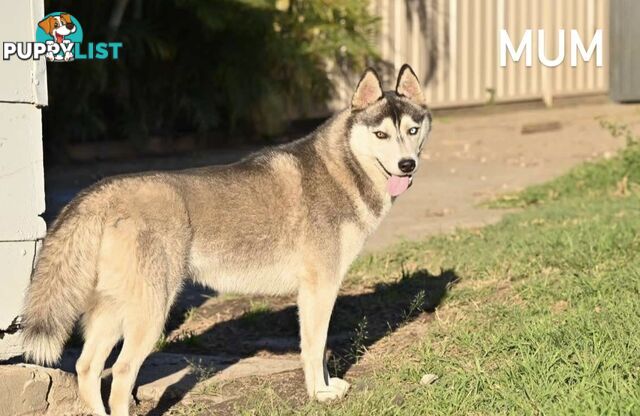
{"points": [[407, 165], [70, 26]]}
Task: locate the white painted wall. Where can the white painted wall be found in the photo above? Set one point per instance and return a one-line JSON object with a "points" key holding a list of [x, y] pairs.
{"points": [[22, 94]]}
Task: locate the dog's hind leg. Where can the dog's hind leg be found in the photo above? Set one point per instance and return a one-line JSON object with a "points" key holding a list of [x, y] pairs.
{"points": [[101, 332], [148, 294], [141, 269], [140, 335], [144, 315], [316, 297]]}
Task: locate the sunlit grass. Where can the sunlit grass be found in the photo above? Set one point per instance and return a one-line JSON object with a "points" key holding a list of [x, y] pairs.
{"points": [[545, 318]]}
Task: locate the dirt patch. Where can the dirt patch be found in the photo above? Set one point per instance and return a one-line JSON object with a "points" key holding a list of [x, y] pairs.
{"points": [[474, 158], [244, 327], [263, 326]]}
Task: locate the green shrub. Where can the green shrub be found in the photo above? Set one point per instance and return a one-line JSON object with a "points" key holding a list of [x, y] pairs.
{"points": [[197, 66]]}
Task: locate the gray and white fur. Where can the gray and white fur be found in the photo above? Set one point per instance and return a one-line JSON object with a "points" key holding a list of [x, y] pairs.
{"points": [[288, 219]]}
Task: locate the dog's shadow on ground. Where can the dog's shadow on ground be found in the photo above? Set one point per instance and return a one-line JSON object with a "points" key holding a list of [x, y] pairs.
{"points": [[358, 321]]}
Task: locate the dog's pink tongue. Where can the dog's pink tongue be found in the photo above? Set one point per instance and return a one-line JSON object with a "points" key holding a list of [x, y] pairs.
{"points": [[397, 184]]}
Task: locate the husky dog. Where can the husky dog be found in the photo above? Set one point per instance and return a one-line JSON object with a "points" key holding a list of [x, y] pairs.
{"points": [[286, 219]]}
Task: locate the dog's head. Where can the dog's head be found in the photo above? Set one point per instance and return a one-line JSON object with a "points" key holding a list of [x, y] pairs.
{"points": [[390, 128], [58, 26]]}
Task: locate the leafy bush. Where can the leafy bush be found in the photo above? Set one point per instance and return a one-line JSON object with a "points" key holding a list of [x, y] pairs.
{"points": [[197, 66]]}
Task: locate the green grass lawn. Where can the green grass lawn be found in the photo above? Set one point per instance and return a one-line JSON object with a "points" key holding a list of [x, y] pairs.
{"points": [[545, 318]]}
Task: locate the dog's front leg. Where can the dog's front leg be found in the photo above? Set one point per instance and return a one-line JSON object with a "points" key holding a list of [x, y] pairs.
{"points": [[316, 297]]}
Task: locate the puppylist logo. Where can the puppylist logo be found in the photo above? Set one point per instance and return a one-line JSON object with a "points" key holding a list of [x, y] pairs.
{"points": [[59, 38]]}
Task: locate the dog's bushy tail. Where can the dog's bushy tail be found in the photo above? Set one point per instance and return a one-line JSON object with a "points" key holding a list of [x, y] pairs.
{"points": [[63, 280]]}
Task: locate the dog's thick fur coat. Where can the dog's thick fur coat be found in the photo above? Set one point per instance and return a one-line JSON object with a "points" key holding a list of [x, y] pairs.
{"points": [[287, 219]]}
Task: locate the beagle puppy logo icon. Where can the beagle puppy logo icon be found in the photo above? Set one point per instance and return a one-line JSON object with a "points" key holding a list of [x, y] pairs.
{"points": [[60, 32]]}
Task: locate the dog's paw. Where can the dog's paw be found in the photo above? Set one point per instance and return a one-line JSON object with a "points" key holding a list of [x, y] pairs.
{"points": [[336, 390]]}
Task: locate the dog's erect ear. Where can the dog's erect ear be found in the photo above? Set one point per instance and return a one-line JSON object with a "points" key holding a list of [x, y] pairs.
{"points": [[47, 25], [66, 17], [368, 91], [409, 86]]}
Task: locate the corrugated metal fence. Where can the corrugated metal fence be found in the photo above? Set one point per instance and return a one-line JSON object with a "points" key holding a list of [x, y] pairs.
{"points": [[453, 46], [625, 50]]}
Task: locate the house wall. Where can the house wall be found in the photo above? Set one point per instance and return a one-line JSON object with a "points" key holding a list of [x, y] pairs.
{"points": [[22, 95]]}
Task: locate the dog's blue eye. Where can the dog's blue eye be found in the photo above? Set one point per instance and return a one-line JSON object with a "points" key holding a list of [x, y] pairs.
{"points": [[381, 135], [413, 131]]}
